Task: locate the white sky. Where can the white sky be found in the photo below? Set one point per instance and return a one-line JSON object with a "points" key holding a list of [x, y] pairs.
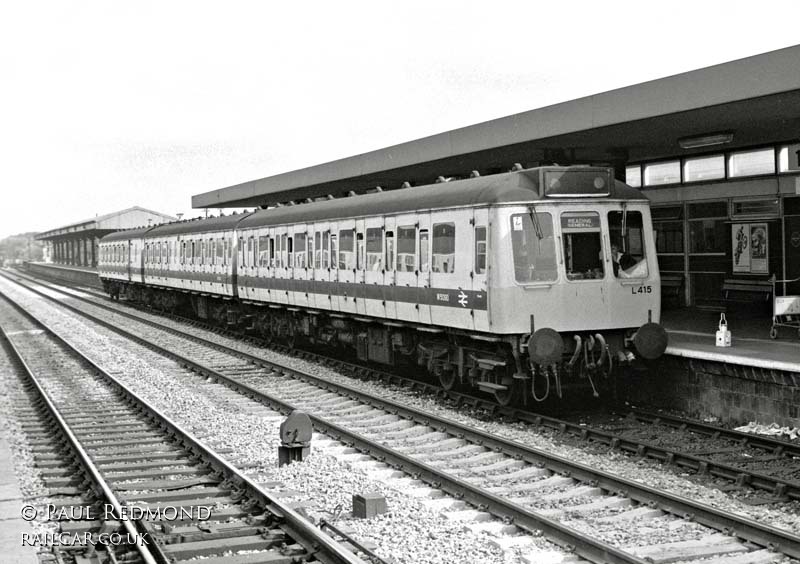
{"points": [[109, 104]]}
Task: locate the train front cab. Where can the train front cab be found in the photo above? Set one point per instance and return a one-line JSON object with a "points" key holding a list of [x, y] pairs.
{"points": [[560, 286]]}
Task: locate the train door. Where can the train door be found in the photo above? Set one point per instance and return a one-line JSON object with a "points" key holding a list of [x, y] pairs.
{"points": [[584, 254], [451, 264], [632, 267], [360, 289], [322, 275], [283, 273], [128, 266], [346, 263], [264, 253], [424, 267], [480, 261], [374, 268], [389, 258], [299, 295], [406, 268], [333, 266]]}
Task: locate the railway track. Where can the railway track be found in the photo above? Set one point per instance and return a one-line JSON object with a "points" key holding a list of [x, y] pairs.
{"points": [[742, 460], [116, 466], [530, 488]]}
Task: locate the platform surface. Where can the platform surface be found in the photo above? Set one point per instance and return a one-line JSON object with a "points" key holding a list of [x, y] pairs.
{"points": [[91, 269], [11, 523], [692, 334]]}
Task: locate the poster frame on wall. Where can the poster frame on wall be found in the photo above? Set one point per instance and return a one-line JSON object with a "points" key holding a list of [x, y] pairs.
{"points": [[750, 248]]}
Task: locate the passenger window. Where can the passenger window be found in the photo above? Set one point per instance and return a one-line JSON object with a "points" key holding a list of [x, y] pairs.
{"points": [[252, 252], [480, 250], [346, 251], [534, 248], [283, 258], [375, 249], [263, 245], [360, 251], [444, 248], [183, 252], [406, 241], [334, 252], [290, 251], [583, 250], [389, 250], [310, 254], [220, 249], [326, 236], [424, 250], [626, 233], [191, 260], [318, 250], [300, 247]]}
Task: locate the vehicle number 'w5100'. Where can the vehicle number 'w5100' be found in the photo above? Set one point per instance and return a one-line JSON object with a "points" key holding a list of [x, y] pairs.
{"points": [[641, 290]]}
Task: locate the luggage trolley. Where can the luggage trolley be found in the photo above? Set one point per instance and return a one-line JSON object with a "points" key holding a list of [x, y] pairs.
{"points": [[785, 309]]}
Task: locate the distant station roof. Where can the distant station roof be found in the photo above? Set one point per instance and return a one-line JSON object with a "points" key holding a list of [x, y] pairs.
{"points": [[123, 219], [756, 99]]}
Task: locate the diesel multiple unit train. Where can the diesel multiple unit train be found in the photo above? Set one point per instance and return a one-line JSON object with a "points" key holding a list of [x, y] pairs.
{"points": [[520, 284]]}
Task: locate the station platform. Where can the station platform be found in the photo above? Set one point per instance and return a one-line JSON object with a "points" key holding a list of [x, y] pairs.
{"points": [[692, 334], [12, 525], [85, 276]]}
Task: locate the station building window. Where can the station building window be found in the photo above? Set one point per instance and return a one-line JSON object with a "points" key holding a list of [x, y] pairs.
{"points": [[633, 176], [707, 227], [668, 227], [698, 169], [769, 207], [750, 163], [656, 174]]}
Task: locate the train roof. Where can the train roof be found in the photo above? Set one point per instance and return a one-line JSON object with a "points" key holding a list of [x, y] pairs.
{"points": [[510, 187], [125, 234], [211, 224]]}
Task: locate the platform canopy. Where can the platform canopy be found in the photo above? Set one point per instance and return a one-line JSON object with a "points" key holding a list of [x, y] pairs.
{"points": [[755, 99], [114, 221]]}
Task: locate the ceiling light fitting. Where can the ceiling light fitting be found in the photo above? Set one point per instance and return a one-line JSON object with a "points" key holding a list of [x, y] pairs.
{"points": [[705, 140]]}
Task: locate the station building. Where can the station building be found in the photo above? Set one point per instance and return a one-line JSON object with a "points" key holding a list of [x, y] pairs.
{"points": [[76, 244], [715, 150]]}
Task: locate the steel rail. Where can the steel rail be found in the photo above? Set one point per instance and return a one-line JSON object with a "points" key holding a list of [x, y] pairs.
{"points": [[748, 529], [767, 443], [300, 529], [762, 442], [739, 476], [133, 529]]}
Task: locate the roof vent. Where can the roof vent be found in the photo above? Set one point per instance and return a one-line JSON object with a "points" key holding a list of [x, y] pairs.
{"points": [[378, 189], [351, 193], [474, 174], [406, 184], [516, 167]]}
